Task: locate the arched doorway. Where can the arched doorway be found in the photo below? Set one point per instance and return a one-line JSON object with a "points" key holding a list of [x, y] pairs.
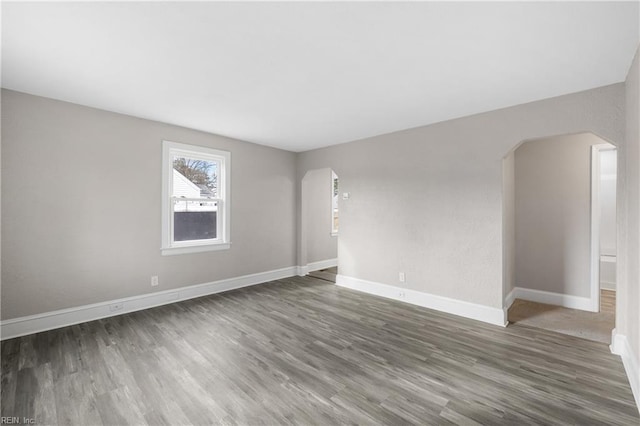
{"points": [[551, 235]]}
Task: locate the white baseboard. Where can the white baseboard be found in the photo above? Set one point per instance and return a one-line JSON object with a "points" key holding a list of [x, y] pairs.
{"points": [[482, 313], [608, 285], [511, 297], [322, 264], [550, 298], [316, 266], [49, 320], [620, 346]]}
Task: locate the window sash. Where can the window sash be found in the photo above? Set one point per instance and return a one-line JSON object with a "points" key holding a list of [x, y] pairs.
{"points": [[218, 161], [205, 241]]}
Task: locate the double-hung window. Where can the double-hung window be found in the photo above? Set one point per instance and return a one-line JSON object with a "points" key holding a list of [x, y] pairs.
{"points": [[195, 198]]}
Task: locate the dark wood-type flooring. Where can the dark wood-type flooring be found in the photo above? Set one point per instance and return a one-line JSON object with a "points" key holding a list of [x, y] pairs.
{"points": [[304, 351]]}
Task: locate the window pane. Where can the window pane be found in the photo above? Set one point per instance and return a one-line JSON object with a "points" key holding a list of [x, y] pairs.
{"points": [[195, 178], [194, 220]]}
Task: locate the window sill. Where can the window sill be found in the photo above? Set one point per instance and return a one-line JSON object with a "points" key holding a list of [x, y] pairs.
{"points": [[170, 251]]}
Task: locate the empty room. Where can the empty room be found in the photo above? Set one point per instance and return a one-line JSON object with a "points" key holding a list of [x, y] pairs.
{"points": [[320, 213]]}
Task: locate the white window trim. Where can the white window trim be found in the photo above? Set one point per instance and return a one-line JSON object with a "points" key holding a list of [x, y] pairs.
{"points": [[223, 242], [334, 176]]}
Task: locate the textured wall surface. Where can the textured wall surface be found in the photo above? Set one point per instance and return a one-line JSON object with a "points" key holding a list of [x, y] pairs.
{"points": [[83, 221], [553, 214], [628, 322], [425, 201], [317, 197], [428, 201]]}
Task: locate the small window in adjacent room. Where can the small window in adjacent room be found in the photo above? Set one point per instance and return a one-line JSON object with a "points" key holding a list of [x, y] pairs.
{"points": [[334, 203], [195, 204]]}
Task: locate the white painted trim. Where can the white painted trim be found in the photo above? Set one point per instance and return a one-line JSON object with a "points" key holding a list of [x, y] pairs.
{"points": [[604, 284], [50, 320], [322, 264], [620, 346], [316, 266], [495, 316], [223, 231], [334, 202], [196, 248], [550, 298], [595, 223], [608, 285], [511, 297], [594, 284]]}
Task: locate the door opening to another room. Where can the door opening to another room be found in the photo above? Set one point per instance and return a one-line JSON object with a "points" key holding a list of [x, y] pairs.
{"points": [[320, 224], [560, 235], [603, 230]]}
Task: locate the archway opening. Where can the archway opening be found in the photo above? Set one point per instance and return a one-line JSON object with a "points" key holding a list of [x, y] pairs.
{"points": [[558, 225]]}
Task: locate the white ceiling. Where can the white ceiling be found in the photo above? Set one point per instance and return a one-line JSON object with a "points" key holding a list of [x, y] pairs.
{"points": [[300, 76]]}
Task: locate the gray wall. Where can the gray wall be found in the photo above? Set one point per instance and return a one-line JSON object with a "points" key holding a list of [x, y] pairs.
{"points": [[628, 285], [317, 193], [82, 224], [428, 201], [553, 214], [508, 224]]}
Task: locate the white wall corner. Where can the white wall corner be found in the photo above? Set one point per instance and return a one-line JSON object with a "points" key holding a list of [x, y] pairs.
{"points": [[620, 346], [495, 316], [558, 299], [509, 299], [23, 326], [302, 270]]}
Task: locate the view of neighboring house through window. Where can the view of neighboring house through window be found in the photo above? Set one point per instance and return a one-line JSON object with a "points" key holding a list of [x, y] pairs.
{"points": [[195, 188], [334, 204], [195, 209]]}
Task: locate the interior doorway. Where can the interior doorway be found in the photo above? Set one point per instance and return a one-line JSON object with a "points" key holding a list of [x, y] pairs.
{"points": [[559, 235], [320, 224], [604, 168]]}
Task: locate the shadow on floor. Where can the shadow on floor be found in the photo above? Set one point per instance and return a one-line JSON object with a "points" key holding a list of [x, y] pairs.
{"points": [[328, 274]]}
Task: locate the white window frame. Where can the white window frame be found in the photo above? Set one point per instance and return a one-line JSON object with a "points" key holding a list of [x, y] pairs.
{"points": [[223, 237], [334, 203]]}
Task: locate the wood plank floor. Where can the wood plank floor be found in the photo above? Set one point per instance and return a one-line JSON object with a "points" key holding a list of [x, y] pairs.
{"points": [[304, 351], [575, 322]]}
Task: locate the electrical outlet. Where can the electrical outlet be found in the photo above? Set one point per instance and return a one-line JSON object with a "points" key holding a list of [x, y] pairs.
{"points": [[401, 277], [154, 281], [116, 307]]}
